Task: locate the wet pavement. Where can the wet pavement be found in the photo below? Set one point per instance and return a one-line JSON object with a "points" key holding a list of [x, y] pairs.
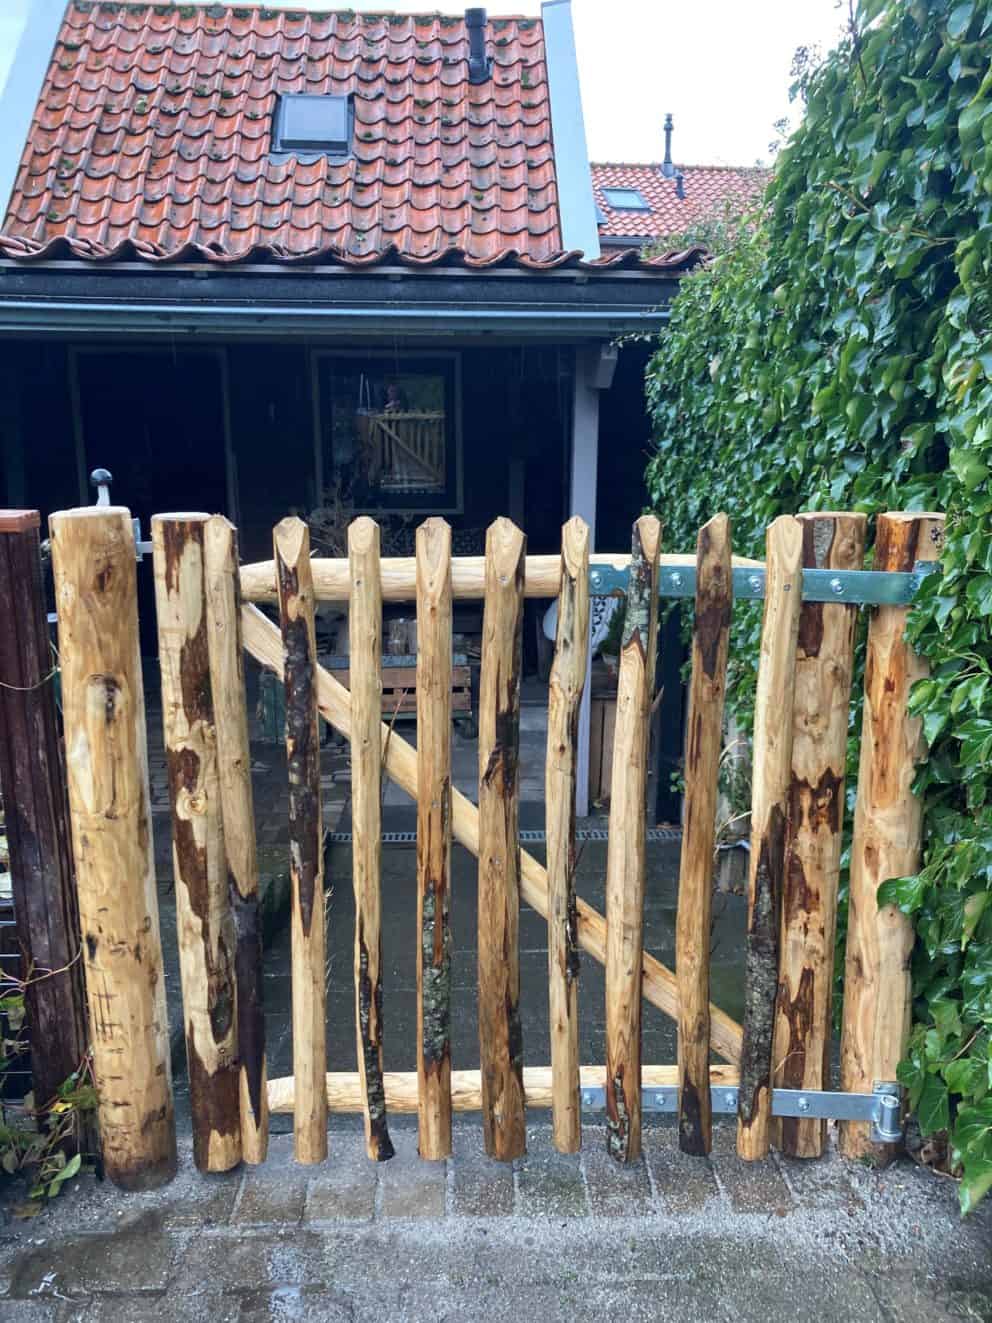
{"points": [[551, 1237]]}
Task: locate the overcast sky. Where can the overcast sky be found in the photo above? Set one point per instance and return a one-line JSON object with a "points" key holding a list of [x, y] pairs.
{"points": [[720, 66]]}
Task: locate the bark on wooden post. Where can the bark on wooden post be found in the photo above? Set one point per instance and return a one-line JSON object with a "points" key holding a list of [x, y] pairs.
{"points": [[103, 706], [625, 859], [36, 815], [568, 678], [291, 540], [887, 825], [205, 925], [821, 709], [704, 743], [227, 679], [261, 639], [434, 838], [365, 634], [500, 1037], [769, 809]]}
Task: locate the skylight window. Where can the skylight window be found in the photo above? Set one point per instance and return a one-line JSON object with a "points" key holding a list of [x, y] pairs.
{"points": [[625, 199], [313, 125]]}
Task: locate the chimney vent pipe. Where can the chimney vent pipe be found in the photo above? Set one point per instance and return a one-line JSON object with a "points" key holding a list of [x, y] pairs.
{"points": [[667, 169], [479, 64]]}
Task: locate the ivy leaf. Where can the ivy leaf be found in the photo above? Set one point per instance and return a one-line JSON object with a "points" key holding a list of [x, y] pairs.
{"points": [[933, 1111], [957, 24]]}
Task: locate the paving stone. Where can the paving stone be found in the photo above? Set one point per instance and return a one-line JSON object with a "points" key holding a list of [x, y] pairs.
{"points": [[172, 1308], [612, 1187], [821, 1184], [412, 1187], [277, 1190], [135, 1260], [344, 1186], [683, 1184], [236, 1262], [481, 1187], [288, 1303], [751, 1187], [550, 1183]]}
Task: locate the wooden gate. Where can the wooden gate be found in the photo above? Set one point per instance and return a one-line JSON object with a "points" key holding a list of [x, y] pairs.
{"points": [[775, 1071]]}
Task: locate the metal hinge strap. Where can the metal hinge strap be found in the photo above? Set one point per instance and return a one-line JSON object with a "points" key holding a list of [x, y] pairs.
{"points": [[854, 587], [881, 1109]]}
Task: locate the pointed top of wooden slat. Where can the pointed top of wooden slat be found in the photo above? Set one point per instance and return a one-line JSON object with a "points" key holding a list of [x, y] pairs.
{"points": [[19, 521], [291, 538]]}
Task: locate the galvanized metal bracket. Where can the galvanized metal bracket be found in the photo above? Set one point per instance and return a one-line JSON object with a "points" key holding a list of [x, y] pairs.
{"points": [[881, 1109], [854, 587]]}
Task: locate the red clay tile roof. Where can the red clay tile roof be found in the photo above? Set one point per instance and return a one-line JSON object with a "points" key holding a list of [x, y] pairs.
{"points": [[153, 130], [707, 189]]}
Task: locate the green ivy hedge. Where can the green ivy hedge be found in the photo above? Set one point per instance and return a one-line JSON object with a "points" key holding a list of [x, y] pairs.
{"points": [[840, 356]]}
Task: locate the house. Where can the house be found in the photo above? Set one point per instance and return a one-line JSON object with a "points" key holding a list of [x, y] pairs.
{"points": [[265, 260], [643, 206]]}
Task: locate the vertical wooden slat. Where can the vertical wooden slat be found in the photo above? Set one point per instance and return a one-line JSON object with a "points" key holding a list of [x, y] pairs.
{"points": [[703, 745], [227, 678], [291, 541], [625, 859], [365, 635], [500, 1037], [434, 838], [772, 764], [887, 826], [821, 709], [36, 818], [103, 706], [205, 925], [568, 678]]}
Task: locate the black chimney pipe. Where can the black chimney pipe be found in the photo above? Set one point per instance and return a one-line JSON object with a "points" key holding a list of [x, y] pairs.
{"points": [[479, 66], [667, 169]]}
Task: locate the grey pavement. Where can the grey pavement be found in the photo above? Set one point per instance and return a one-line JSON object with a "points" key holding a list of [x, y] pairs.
{"points": [[550, 1236]]}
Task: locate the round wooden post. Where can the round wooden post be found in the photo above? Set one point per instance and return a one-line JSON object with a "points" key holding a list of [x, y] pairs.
{"points": [[103, 705], [204, 922], [291, 540], [704, 743], [625, 858], [227, 679], [434, 838], [365, 634], [887, 825], [568, 679], [500, 1035], [36, 819], [769, 814], [821, 712]]}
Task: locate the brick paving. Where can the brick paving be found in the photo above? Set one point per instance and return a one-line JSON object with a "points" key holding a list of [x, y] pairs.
{"points": [[557, 1236]]}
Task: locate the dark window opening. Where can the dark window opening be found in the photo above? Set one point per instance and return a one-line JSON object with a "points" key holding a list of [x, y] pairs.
{"points": [[315, 125]]}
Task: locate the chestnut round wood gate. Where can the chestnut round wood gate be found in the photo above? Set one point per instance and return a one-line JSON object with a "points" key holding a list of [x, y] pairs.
{"points": [[775, 1072]]}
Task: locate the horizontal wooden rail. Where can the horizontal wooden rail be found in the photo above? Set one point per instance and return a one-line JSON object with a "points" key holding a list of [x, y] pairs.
{"points": [[262, 641], [344, 1089], [332, 579]]}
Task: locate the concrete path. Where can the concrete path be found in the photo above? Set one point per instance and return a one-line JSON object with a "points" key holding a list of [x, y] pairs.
{"points": [[551, 1238]]}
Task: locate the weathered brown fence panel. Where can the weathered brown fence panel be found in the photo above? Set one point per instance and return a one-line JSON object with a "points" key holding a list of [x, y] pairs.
{"points": [[704, 743], [625, 859], [769, 815], [500, 1039], [568, 678], [36, 815], [887, 825], [434, 838], [204, 922], [821, 711], [227, 680], [365, 633], [93, 555], [291, 540]]}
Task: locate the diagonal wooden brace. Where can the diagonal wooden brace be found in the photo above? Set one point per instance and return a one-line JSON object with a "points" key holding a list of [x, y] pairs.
{"points": [[262, 640]]}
